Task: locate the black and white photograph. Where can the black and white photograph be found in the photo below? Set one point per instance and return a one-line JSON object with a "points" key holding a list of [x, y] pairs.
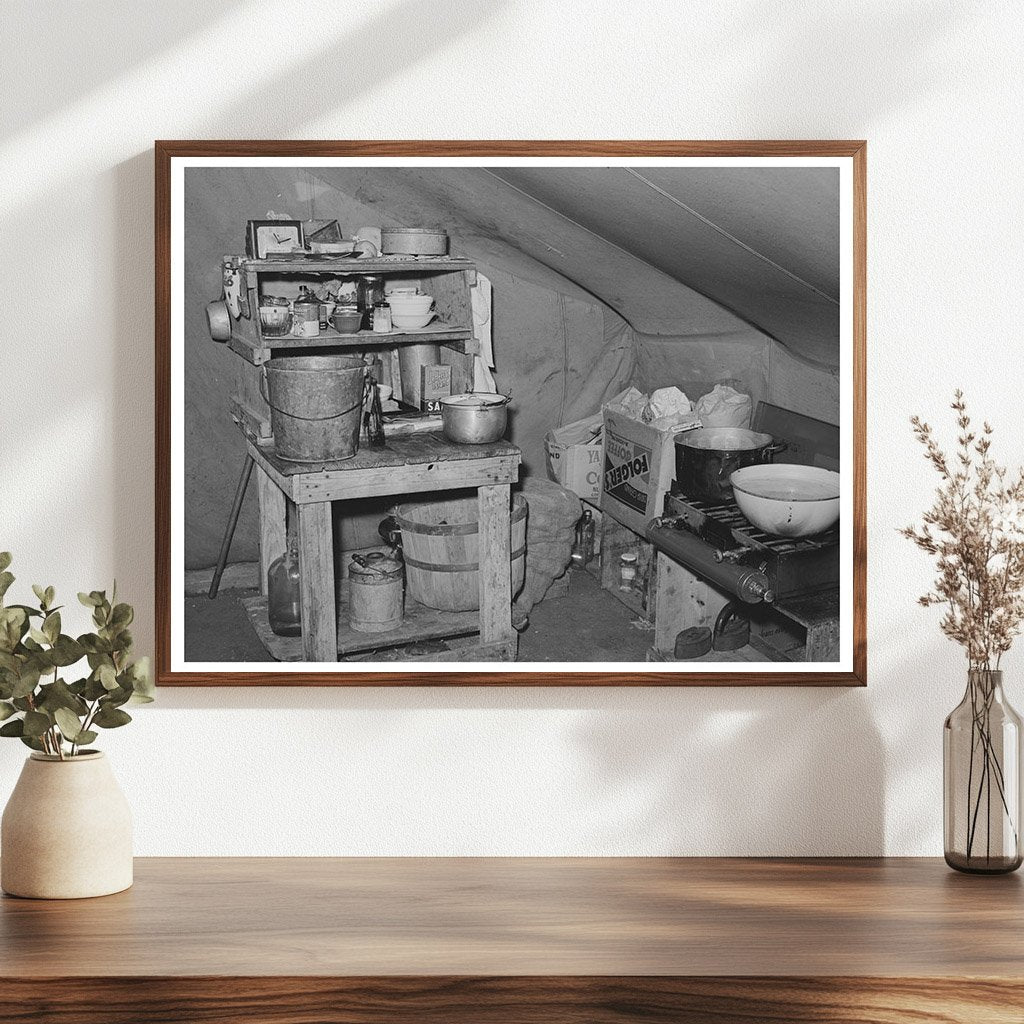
{"points": [[518, 415]]}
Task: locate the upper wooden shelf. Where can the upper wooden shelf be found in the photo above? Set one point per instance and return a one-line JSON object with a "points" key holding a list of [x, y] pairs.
{"points": [[380, 265], [489, 940]]}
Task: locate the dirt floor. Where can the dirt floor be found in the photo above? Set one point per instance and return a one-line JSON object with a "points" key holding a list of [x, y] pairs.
{"points": [[587, 624]]}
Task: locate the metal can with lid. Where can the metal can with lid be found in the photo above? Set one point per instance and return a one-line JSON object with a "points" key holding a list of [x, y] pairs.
{"points": [[376, 590], [306, 315]]}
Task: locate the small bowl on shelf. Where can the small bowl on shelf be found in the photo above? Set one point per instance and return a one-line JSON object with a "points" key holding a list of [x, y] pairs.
{"points": [[346, 319], [275, 318], [409, 304], [411, 321]]}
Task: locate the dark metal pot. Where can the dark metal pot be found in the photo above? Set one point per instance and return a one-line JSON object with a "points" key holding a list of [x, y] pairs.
{"points": [[706, 457]]}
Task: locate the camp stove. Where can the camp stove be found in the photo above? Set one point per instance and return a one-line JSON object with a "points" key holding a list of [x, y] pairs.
{"points": [[717, 542]]}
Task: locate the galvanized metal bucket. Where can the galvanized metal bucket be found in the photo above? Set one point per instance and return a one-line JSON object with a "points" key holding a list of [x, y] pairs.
{"points": [[316, 405]]}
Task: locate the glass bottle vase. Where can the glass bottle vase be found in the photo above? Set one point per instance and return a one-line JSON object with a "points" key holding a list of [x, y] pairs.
{"points": [[981, 770]]}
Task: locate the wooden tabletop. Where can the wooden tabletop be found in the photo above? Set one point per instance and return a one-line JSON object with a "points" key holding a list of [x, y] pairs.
{"points": [[509, 917], [415, 448]]}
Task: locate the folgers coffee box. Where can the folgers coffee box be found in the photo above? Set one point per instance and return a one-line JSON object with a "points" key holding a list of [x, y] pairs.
{"points": [[639, 464]]}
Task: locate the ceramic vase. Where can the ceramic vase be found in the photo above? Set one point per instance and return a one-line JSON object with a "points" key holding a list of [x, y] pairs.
{"points": [[66, 831]]}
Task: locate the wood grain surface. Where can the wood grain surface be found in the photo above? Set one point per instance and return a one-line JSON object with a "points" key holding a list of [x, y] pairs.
{"points": [[503, 940], [166, 150]]}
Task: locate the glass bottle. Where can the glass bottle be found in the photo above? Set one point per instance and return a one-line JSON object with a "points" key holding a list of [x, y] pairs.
{"points": [[371, 291], [583, 545], [981, 775], [283, 605]]}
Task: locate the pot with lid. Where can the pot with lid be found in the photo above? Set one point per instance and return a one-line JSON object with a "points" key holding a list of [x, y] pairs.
{"points": [[708, 456], [475, 417]]}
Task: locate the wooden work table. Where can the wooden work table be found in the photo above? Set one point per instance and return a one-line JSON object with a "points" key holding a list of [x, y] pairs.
{"points": [[573, 941]]}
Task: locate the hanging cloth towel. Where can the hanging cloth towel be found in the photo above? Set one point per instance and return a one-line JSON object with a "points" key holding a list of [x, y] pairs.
{"points": [[480, 294]]}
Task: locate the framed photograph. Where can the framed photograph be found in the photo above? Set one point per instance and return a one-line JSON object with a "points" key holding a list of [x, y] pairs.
{"points": [[540, 413]]}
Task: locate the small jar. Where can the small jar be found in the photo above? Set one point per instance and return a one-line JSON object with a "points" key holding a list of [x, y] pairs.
{"points": [[382, 318], [627, 570]]}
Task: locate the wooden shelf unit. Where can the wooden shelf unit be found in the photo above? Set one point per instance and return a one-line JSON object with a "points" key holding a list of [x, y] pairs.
{"points": [[448, 280]]}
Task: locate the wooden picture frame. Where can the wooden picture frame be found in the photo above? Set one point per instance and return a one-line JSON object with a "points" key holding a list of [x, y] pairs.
{"points": [[170, 156]]}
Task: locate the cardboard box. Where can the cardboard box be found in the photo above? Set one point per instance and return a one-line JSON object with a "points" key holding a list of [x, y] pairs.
{"points": [[574, 456], [639, 467]]}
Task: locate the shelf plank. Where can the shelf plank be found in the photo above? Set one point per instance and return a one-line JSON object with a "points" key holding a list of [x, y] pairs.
{"points": [[347, 265], [436, 331], [420, 623]]}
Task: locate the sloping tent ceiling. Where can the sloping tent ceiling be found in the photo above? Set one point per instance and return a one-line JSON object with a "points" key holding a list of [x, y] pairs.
{"points": [[678, 252]]}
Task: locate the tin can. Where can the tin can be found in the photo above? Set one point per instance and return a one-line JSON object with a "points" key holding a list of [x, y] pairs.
{"points": [[306, 316], [375, 593]]}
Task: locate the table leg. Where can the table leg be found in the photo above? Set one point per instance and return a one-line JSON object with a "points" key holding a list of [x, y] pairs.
{"points": [[495, 570], [273, 531], [316, 582]]}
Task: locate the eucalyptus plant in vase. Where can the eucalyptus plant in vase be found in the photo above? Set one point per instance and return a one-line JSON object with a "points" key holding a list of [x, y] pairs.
{"points": [[975, 531], [66, 831]]}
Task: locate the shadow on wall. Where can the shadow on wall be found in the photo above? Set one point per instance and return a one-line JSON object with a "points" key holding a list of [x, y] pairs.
{"points": [[699, 771]]}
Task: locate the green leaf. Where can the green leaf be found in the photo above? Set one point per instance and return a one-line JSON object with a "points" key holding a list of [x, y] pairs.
{"points": [[6, 579], [69, 724], [40, 593], [115, 698], [51, 626], [142, 682], [5, 560], [59, 695], [28, 610], [94, 689], [36, 723], [122, 616], [6, 710], [38, 635], [50, 595], [27, 681], [94, 645], [14, 728], [89, 600], [86, 736], [13, 624], [31, 741], [66, 651], [107, 676], [111, 718]]}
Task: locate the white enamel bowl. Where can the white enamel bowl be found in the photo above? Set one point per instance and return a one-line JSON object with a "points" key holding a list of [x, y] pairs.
{"points": [[411, 303], [411, 321], [787, 501]]}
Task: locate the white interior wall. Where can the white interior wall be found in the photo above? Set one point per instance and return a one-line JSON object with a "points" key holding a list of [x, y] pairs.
{"points": [[935, 88]]}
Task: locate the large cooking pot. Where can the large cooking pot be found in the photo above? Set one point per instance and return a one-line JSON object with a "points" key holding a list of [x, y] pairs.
{"points": [[474, 418], [706, 457]]}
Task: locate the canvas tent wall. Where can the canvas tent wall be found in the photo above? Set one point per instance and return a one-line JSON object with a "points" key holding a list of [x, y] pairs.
{"points": [[601, 277]]}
